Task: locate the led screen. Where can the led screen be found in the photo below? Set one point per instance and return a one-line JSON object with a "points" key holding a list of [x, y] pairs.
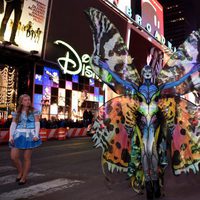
{"points": [[121, 4], [68, 85], [54, 101], [61, 97], [152, 13], [38, 79], [46, 93], [75, 78], [37, 98], [51, 77], [91, 82], [54, 109]]}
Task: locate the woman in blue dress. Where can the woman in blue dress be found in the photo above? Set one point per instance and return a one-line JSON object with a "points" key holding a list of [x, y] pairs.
{"points": [[24, 136]]}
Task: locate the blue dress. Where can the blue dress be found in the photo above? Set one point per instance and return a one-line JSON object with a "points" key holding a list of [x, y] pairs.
{"points": [[25, 131]]}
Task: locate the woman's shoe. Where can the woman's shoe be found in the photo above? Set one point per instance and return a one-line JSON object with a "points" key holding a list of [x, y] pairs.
{"points": [[156, 188], [18, 179], [149, 190], [21, 182]]}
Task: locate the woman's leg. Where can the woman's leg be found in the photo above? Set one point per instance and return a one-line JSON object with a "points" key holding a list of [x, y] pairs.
{"points": [[154, 162], [15, 157], [153, 155], [26, 164], [146, 163]]}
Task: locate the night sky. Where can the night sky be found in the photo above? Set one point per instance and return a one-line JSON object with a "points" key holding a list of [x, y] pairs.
{"points": [[192, 8]]}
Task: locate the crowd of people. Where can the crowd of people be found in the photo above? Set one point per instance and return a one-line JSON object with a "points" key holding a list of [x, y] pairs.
{"points": [[57, 123]]}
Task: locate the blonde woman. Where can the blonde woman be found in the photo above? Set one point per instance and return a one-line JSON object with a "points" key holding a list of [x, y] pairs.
{"points": [[24, 136]]}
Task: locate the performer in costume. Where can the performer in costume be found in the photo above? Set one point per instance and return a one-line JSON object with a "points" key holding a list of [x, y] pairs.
{"points": [[132, 129], [24, 135]]}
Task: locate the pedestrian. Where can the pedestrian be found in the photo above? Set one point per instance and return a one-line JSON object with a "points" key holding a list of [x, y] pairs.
{"points": [[90, 117], [24, 136], [85, 118]]}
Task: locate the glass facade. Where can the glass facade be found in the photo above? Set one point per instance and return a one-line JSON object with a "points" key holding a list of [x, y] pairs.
{"points": [[65, 96]]}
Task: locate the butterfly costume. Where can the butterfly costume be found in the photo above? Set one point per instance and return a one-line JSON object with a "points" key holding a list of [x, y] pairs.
{"points": [[135, 128]]}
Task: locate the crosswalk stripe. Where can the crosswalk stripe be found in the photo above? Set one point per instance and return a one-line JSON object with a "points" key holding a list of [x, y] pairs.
{"points": [[11, 178], [4, 169], [40, 189]]}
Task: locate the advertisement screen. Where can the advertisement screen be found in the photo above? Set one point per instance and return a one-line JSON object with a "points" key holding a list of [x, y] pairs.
{"points": [[61, 97], [22, 23], [51, 77], [152, 13], [121, 4]]}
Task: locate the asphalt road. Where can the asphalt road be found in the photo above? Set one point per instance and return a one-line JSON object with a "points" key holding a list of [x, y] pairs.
{"points": [[71, 170]]}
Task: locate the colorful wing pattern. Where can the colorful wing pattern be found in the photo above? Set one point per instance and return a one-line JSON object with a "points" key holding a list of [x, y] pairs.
{"points": [[183, 125], [185, 147], [180, 63], [109, 46], [113, 126]]}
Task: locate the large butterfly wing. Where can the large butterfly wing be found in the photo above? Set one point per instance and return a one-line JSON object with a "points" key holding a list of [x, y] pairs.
{"points": [[183, 126], [155, 60], [113, 128], [180, 63], [109, 46], [185, 145]]}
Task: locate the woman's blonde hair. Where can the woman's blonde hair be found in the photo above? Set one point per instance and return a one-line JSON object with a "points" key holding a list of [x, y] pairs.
{"points": [[20, 106]]}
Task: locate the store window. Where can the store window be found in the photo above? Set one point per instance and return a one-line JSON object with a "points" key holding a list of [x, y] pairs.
{"points": [[58, 96]]}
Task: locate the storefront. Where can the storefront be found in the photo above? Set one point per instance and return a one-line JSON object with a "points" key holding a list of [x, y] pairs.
{"points": [[22, 34], [51, 58]]}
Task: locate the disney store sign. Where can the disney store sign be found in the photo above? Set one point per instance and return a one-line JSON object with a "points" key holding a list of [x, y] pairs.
{"points": [[72, 63]]}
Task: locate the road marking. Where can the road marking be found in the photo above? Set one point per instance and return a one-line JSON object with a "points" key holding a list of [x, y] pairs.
{"points": [[6, 168], [66, 154], [11, 178], [40, 189]]}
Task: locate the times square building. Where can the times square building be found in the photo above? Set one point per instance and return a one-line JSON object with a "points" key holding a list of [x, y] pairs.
{"points": [[51, 58]]}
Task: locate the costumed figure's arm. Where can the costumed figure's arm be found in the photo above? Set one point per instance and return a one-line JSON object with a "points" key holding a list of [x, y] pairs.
{"points": [[176, 72], [126, 84], [109, 46], [182, 79]]}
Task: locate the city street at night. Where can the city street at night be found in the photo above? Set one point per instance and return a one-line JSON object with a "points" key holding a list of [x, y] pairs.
{"points": [[126, 72], [71, 169]]}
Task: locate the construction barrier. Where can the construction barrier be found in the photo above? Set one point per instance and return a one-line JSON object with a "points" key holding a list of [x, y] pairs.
{"points": [[48, 134], [43, 134], [61, 133], [52, 134], [76, 132]]}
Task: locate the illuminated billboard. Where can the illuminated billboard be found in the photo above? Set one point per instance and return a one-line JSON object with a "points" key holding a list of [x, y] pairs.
{"points": [[22, 23], [121, 4], [152, 13]]}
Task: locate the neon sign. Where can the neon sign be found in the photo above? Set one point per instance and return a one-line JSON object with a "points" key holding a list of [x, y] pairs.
{"points": [[148, 27], [72, 64]]}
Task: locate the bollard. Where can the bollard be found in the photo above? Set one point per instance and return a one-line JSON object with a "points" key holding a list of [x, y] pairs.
{"points": [[43, 134], [61, 133]]}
